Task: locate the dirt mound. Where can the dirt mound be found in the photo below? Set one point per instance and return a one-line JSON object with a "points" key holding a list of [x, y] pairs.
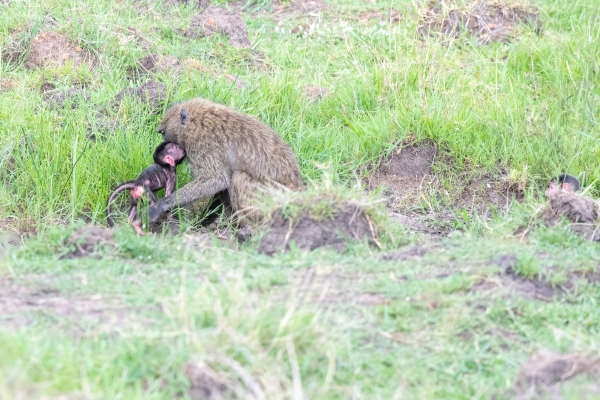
{"points": [[488, 21], [54, 49], [156, 63], [152, 93], [206, 383], [220, 21], [347, 222], [409, 181], [58, 98], [572, 206], [86, 240], [581, 211], [316, 93], [543, 374]]}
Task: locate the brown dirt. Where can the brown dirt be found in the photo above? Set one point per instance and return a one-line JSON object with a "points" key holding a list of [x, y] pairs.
{"points": [[54, 49], [7, 84], [543, 374], [316, 93], [206, 383], [86, 240], [408, 177], [57, 98], [488, 21], [22, 305], [349, 222], [509, 282], [572, 206], [581, 211], [220, 21], [152, 93]]}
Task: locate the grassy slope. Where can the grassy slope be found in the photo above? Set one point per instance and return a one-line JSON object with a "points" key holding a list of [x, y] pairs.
{"points": [[530, 106]]}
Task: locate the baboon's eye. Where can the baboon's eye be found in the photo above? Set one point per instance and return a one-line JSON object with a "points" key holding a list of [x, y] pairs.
{"points": [[162, 131]]}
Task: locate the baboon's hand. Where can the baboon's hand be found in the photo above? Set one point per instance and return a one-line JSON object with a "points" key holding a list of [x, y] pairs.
{"points": [[154, 212]]}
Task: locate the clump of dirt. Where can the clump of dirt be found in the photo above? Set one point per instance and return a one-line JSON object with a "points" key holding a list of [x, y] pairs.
{"points": [[156, 63], [206, 383], [581, 211], [7, 84], [58, 98], [544, 372], [220, 21], [87, 240], [152, 93], [54, 49], [316, 93], [348, 221], [486, 20], [572, 206]]}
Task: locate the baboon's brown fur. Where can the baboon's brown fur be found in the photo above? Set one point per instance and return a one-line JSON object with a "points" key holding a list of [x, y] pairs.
{"points": [[227, 150]]}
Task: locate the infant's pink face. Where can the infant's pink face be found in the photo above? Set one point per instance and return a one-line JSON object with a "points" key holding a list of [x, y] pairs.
{"points": [[137, 192]]}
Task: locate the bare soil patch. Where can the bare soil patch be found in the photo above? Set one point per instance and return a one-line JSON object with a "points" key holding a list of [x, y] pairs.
{"points": [[22, 305], [55, 49], [151, 93], [220, 21], [206, 383], [348, 222], [486, 20], [87, 240], [510, 282], [543, 374], [408, 176], [580, 210]]}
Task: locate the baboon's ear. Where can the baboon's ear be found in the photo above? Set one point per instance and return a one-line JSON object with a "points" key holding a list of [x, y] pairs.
{"points": [[183, 117]]}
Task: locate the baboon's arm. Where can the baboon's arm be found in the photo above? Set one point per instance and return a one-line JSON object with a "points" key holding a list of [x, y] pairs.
{"points": [[195, 190]]}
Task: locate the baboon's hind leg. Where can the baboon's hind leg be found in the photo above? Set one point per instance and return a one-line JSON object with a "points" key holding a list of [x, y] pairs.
{"points": [[242, 194]]}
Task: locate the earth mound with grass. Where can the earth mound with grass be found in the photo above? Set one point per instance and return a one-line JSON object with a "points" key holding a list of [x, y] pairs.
{"points": [[152, 93], [346, 222], [580, 211], [55, 49], [86, 240], [220, 21], [487, 21]]}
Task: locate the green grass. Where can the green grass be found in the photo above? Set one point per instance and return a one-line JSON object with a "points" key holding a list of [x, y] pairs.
{"points": [[325, 324]]}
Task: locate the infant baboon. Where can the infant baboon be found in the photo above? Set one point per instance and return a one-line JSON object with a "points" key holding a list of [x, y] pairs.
{"points": [[563, 182], [228, 151], [161, 174]]}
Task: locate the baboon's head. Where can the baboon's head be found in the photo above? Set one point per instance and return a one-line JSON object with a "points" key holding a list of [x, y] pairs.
{"points": [[563, 182], [173, 123]]}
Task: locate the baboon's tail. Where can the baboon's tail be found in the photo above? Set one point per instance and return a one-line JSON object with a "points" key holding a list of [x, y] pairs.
{"points": [[123, 186]]}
